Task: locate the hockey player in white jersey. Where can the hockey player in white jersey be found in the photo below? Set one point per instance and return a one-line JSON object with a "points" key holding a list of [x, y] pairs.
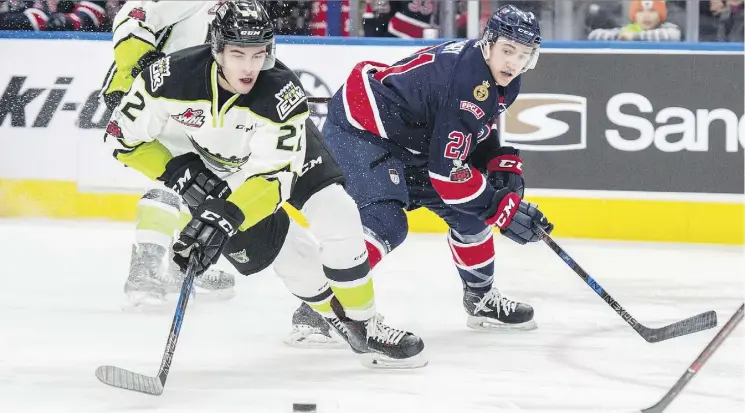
{"points": [[143, 32], [224, 126]]}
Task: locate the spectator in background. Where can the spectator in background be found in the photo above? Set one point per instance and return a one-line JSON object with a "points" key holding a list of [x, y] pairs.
{"points": [[58, 15], [647, 24], [729, 15], [408, 19], [290, 17]]}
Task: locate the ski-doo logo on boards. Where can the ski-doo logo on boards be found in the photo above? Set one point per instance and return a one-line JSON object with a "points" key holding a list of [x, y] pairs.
{"points": [[190, 117], [24, 105], [289, 97], [158, 72], [546, 122]]}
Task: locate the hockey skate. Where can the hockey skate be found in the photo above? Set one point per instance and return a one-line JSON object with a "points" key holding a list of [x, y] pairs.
{"points": [[491, 310], [152, 280], [310, 330], [379, 345]]}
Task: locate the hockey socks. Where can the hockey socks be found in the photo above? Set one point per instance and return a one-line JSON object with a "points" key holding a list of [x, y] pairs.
{"points": [[474, 258]]}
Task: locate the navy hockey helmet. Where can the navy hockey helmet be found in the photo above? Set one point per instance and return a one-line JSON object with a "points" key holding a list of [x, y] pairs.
{"points": [[243, 23], [516, 25]]}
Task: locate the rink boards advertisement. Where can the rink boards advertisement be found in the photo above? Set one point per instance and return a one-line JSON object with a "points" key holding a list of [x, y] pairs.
{"points": [[618, 144]]}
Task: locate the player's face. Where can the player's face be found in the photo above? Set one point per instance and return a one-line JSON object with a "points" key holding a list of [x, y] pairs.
{"points": [[507, 59], [241, 66]]}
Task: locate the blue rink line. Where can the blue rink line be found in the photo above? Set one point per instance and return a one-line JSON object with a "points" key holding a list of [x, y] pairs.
{"points": [[368, 41]]}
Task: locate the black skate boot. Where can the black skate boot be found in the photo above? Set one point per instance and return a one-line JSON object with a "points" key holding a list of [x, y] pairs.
{"points": [[490, 310], [310, 330], [379, 345]]}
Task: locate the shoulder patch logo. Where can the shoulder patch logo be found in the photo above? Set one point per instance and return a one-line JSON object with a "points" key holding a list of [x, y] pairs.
{"points": [[138, 13], [289, 97], [114, 130], [473, 108], [158, 72], [213, 9], [481, 92], [190, 117]]}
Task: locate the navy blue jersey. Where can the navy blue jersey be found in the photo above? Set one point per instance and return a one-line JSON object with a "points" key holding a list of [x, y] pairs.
{"points": [[435, 108]]}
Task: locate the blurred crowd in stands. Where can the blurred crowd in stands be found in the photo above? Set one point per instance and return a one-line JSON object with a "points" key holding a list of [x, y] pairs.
{"points": [[644, 20]]}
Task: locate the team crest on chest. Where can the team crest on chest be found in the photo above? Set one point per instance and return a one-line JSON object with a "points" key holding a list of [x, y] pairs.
{"points": [[289, 97], [481, 92], [190, 117]]}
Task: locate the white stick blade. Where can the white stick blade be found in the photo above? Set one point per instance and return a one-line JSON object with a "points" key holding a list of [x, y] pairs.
{"points": [[125, 379]]}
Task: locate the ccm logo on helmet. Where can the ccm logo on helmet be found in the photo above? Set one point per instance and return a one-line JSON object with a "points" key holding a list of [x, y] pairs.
{"points": [[528, 32], [250, 32]]}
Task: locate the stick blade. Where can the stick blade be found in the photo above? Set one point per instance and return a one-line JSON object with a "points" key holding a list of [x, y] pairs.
{"points": [[703, 321], [125, 379]]}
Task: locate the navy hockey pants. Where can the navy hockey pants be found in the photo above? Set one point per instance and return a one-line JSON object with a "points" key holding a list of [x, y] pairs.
{"points": [[383, 185]]}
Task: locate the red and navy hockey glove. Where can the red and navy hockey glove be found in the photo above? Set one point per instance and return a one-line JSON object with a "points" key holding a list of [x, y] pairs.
{"points": [[187, 175], [516, 219], [505, 170]]}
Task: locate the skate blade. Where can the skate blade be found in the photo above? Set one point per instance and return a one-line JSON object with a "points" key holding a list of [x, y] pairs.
{"points": [[488, 324], [203, 294], [318, 341], [310, 337], [381, 362]]}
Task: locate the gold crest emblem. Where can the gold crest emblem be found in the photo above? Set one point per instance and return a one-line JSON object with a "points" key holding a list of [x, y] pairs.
{"points": [[481, 92]]}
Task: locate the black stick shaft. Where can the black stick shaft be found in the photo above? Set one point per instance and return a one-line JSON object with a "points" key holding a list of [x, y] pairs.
{"points": [[178, 319], [599, 290], [690, 325], [698, 363]]}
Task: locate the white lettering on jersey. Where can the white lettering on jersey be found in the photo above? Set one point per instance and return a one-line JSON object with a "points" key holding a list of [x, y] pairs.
{"points": [[158, 72], [289, 97], [454, 47]]}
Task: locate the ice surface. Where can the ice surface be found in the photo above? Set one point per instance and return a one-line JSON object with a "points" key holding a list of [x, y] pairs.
{"points": [[60, 318]]}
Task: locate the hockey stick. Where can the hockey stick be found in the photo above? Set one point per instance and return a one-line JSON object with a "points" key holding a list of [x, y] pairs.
{"points": [[313, 99], [698, 363], [125, 379], [690, 325]]}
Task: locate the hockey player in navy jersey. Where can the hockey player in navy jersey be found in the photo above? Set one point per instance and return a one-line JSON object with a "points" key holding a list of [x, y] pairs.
{"points": [[421, 133]]}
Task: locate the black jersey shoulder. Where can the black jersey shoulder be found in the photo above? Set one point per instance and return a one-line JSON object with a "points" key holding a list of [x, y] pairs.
{"points": [[183, 75], [278, 95]]}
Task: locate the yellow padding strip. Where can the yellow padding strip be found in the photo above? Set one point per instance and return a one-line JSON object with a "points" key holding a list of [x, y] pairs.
{"points": [[631, 220]]}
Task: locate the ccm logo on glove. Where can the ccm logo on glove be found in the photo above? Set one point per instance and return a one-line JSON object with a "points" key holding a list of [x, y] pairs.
{"points": [[506, 163], [506, 210], [222, 222], [182, 181]]}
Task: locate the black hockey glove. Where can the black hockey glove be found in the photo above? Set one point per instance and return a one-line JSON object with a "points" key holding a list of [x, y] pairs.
{"points": [[518, 220], [505, 170], [209, 230], [146, 60], [187, 175]]}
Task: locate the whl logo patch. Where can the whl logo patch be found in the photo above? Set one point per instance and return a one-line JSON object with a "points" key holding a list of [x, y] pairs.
{"points": [[190, 117]]}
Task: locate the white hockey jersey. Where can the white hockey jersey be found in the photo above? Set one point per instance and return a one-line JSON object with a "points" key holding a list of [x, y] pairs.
{"points": [[256, 142], [165, 26]]}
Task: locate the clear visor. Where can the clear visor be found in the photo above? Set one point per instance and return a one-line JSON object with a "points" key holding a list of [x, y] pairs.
{"points": [[513, 56]]}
